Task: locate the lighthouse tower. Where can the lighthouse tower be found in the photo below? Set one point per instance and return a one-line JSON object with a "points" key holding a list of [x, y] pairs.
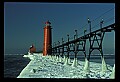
{"points": [[47, 39]]}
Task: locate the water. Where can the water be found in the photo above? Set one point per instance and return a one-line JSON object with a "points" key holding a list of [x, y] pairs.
{"points": [[14, 64], [109, 59]]}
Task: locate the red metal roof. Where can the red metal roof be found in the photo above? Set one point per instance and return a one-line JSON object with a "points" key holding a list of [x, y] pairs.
{"points": [[47, 22]]}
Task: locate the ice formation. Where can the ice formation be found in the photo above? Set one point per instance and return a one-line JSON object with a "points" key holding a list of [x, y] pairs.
{"points": [[112, 76], [75, 62], [104, 66], [58, 67], [86, 65]]}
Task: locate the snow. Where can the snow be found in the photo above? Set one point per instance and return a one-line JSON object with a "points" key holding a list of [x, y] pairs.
{"points": [[57, 67]]}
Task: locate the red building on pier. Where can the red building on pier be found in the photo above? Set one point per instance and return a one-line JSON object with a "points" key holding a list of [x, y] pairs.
{"points": [[32, 49]]}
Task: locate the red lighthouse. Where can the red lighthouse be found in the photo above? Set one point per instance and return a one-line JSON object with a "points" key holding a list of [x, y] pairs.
{"points": [[47, 39]]}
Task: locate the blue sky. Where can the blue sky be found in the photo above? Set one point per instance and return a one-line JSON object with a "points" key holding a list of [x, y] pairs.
{"points": [[24, 23]]}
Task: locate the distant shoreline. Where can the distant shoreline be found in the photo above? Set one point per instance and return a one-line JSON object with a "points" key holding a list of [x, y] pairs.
{"points": [[72, 55]]}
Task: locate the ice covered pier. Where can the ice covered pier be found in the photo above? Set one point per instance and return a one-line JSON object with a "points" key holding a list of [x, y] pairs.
{"points": [[62, 67]]}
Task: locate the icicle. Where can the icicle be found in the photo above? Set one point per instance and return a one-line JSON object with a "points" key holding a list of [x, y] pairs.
{"points": [[112, 76], [86, 66], [69, 60], [66, 61], [77, 62], [104, 66], [51, 57], [47, 56], [60, 59], [74, 64], [57, 58]]}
